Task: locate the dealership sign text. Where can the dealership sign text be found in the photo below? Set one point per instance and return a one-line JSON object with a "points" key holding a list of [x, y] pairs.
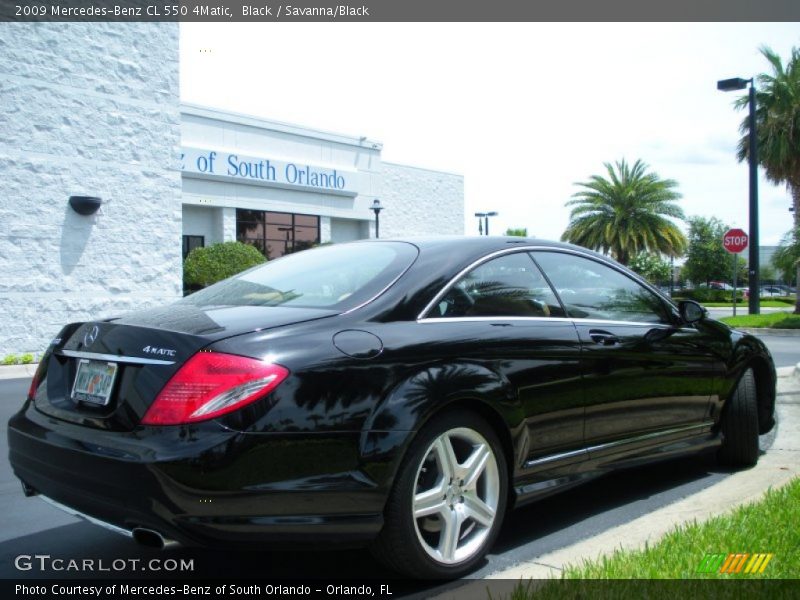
{"points": [[258, 170]]}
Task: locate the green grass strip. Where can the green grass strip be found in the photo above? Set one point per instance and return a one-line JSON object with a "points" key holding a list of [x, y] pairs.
{"points": [[772, 321], [771, 525], [763, 304], [671, 568]]}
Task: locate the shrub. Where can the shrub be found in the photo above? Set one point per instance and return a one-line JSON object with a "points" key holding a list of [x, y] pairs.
{"points": [[10, 359], [214, 263], [26, 358]]}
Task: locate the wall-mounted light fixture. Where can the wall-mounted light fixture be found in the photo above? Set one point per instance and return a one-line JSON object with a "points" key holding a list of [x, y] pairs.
{"points": [[85, 205]]}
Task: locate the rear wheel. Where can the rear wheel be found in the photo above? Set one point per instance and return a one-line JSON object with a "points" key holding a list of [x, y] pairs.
{"points": [[447, 504], [740, 425]]}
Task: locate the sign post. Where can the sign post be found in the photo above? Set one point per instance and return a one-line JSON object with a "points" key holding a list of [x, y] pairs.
{"points": [[734, 241], [735, 257]]}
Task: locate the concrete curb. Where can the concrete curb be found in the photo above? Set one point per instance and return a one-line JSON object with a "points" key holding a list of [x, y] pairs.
{"points": [[792, 375], [18, 371], [776, 467]]}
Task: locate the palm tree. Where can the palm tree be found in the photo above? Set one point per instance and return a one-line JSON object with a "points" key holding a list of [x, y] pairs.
{"points": [[627, 213], [787, 257], [777, 127]]}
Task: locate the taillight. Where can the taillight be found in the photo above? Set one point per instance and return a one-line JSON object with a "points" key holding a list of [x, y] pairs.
{"points": [[37, 379], [211, 384]]}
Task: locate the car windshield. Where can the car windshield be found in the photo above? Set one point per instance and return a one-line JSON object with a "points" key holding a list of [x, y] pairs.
{"points": [[336, 277]]}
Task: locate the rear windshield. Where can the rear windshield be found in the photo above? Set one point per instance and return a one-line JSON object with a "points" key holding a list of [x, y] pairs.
{"points": [[337, 277]]}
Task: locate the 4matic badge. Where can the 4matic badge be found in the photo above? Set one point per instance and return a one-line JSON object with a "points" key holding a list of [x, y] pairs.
{"points": [[158, 351]]}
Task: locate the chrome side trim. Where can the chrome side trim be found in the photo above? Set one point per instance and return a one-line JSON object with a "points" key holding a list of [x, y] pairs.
{"points": [[649, 436], [135, 360], [589, 449], [554, 457], [93, 520], [481, 319], [576, 321]]}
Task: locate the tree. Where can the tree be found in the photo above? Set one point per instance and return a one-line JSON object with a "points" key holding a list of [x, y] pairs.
{"points": [[787, 257], [626, 213], [707, 260], [777, 128], [208, 265], [766, 273], [652, 267], [519, 232]]}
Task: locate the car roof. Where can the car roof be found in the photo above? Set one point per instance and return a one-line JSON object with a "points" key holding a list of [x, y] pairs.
{"points": [[479, 245]]}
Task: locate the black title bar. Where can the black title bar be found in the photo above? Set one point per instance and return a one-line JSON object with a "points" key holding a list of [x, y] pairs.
{"points": [[224, 11]]}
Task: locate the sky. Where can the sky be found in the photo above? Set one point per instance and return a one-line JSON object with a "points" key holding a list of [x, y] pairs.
{"points": [[522, 110]]}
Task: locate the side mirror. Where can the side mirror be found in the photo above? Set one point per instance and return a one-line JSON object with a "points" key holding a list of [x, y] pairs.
{"points": [[691, 311]]}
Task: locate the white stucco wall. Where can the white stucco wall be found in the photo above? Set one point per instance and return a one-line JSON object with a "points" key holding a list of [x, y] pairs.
{"points": [[86, 109], [349, 230], [420, 202], [208, 222]]}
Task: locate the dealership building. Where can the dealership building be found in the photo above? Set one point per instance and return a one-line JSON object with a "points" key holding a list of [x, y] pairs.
{"points": [[285, 187], [93, 109]]}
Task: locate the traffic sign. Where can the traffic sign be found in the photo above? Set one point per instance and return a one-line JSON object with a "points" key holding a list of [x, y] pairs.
{"points": [[734, 240]]}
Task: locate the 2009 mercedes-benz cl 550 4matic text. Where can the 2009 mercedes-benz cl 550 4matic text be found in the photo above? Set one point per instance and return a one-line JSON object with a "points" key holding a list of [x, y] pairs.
{"points": [[401, 395]]}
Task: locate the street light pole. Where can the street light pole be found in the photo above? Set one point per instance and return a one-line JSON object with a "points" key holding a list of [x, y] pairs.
{"points": [[755, 285], [483, 229], [727, 85], [489, 214], [377, 208]]}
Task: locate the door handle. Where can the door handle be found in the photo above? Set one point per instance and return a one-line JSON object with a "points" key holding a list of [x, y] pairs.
{"points": [[603, 337]]}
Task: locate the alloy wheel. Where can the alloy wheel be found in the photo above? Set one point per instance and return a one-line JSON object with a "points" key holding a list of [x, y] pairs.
{"points": [[456, 496]]}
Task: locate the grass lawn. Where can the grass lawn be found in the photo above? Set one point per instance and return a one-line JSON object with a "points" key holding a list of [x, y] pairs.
{"points": [[763, 303], [769, 526], [772, 321]]}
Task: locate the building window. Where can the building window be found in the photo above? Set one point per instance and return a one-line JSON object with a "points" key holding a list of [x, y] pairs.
{"points": [[276, 234], [190, 242]]}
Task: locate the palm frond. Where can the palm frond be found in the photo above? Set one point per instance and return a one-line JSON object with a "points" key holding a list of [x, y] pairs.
{"points": [[626, 212]]}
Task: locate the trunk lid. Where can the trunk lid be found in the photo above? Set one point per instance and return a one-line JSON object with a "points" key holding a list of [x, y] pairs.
{"points": [[124, 362]]}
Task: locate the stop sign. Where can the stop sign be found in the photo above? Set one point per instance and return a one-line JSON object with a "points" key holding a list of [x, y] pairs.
{"points": [[734, 240]]}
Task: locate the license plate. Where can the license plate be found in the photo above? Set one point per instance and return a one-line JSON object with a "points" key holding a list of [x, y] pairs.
{"points": [[93, 381]]}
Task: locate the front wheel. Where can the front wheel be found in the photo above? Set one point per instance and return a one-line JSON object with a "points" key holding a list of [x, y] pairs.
{"points": [[447, 503], [740, 425]]}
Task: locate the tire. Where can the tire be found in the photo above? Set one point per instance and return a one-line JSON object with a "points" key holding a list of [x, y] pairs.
{"points": [[443, 516], [739, 425]]}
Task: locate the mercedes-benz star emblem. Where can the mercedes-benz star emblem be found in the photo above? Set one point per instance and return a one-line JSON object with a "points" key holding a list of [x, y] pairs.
{"points": [[90, 336]]}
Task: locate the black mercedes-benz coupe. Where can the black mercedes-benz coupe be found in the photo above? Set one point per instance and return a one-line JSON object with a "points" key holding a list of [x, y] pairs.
{"points": [[401, 395]]}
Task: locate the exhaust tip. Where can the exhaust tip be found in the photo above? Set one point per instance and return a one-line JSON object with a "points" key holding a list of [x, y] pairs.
{"points": [[153, 539]]}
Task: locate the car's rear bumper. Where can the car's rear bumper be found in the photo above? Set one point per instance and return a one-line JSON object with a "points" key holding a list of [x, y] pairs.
{"points": [[203, 485]]}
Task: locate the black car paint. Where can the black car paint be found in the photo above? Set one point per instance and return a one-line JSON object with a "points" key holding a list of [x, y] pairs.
{"points": [[315, 460]]}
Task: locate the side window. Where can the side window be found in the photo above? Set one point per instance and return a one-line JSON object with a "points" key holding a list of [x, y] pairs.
{"points": [[508, 286], [592, 290]]}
